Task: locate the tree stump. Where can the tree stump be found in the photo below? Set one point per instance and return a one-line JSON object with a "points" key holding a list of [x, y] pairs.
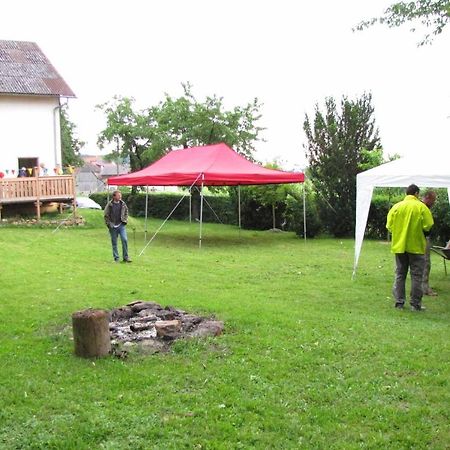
{"points": [[91, 333]]}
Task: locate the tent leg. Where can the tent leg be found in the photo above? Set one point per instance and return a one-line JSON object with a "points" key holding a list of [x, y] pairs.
{"points": [[239, 209], [304, 212], [201, 216], [146, 213], [190, 205]]}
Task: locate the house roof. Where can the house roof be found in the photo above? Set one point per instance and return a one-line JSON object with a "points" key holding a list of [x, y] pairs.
{"points": [[25, 70]]}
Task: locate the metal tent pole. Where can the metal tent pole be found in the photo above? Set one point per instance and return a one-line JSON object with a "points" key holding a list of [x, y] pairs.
{"points": [[190, 205], [167, 218], [304, 211], [239, 208], [201, 214], [146, 213]]}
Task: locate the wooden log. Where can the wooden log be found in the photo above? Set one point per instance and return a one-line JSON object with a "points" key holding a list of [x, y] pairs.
{"points": [[91, 333]]}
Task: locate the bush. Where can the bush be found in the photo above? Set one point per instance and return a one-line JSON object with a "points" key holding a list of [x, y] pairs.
{"points": [[289, 214], [382, 202], [294, 215], [255, 215], [440, 233], [161, 204], [379, 208]]}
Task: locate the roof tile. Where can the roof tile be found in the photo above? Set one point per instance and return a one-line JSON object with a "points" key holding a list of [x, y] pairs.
{"points": [[24, 69]]}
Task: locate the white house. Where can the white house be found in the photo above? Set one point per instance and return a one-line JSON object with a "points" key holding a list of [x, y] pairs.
{"points": [[30, 99]]}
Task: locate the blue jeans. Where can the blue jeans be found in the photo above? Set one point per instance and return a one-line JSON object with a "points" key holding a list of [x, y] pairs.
{"points": [[122, 232]]}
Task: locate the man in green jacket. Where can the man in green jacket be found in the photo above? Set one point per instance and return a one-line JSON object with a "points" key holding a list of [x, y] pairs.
{"points": [[409, 221]]}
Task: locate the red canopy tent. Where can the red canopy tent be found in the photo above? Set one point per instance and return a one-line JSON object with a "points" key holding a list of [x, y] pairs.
{"points": [[210, 165]]}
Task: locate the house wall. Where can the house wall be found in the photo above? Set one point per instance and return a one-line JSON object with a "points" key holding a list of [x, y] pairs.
{"points": [[27, 130]]}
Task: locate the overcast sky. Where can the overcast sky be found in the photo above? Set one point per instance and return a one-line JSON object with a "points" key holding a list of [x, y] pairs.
{"points": [[289, 54]]}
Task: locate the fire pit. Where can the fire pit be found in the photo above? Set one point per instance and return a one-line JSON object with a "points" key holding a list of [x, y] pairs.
{"points": [[152, 328]]}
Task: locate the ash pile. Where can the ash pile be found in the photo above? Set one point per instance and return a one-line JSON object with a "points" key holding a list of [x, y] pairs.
{"points": [[152, 328]]}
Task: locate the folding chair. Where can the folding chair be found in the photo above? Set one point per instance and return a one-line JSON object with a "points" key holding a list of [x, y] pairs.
{"points": [[444, 253]]}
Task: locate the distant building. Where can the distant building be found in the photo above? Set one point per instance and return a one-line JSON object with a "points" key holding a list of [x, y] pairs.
{"points": [[30, 99], [92, 176]]}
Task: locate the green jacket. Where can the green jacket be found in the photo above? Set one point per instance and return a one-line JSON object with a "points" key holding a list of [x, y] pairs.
{"points": [[408, 220], [108, 213]]}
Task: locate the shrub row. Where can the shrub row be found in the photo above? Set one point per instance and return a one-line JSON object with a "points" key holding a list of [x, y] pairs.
{"points": [[289, 214], [161, 204], [381, 203]]}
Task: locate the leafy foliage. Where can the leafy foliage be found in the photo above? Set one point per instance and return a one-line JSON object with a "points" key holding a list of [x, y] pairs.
{"points": [[161, 204], [70, 145], [384, 199], [434, 14], [382, 202], [440, 233], [128, 130], [272, 196], [340, 144], [145, 136], [294, 211], [254, 214], [187, 122]]}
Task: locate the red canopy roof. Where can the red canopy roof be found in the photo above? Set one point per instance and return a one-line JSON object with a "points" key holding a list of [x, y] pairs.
{"points": [[214, 165]]}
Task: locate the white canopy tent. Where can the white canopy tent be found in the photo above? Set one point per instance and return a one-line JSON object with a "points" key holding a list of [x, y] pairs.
{"points": [[428, 170]]}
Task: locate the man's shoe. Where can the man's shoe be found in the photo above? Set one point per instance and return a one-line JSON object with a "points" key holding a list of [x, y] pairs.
{"points": [[128, 260], [399, 305], [116, 261], [418, 308]]}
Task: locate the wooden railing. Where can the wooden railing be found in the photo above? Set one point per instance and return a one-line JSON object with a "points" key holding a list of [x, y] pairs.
{"points": [[37, 189]]}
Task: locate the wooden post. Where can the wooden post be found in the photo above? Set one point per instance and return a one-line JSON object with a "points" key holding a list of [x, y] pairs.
{"points": [[91, 333], [38, 193], [74, 193]]}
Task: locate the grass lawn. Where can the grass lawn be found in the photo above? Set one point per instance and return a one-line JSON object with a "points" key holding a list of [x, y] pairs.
{"points": [[309, 358]]}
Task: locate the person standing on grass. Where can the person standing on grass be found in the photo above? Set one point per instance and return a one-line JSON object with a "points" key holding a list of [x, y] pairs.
{"points": [[116, 218], [429, 198], [409, 221]]}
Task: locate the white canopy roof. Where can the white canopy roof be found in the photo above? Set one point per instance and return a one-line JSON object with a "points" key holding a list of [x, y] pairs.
{"points": [[424, 171]]}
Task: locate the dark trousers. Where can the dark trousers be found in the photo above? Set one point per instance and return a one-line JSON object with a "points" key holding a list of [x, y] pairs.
{"points": [[427, 268], [414, 263]]}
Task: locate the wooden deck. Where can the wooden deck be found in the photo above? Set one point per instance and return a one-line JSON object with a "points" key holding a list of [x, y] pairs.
{"points": [[37, 190]]}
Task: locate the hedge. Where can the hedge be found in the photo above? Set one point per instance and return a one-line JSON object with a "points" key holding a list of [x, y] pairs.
{"points": [[161, 204], [289, 214], [381, 203]]}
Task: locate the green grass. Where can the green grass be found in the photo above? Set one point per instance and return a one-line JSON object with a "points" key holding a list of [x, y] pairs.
{"points": [[309, 358]]}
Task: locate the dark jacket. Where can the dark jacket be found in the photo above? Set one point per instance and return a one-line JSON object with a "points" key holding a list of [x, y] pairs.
{"points": [[123, 213]]}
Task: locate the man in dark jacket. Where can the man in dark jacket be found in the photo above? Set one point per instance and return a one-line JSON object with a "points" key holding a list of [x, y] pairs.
{"points": [[429, 198], [116, 218]]}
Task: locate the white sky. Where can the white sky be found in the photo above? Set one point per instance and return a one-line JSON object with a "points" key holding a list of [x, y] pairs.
{"points": [[290, 54]]}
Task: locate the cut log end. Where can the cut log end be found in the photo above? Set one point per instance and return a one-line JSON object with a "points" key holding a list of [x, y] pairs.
{"points": [[91, 333]]}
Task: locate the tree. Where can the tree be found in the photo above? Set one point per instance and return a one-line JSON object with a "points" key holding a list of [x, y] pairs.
{"points": [[434, 14], [128, 131], [70, 145], [340, 144], [145, 136]]}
